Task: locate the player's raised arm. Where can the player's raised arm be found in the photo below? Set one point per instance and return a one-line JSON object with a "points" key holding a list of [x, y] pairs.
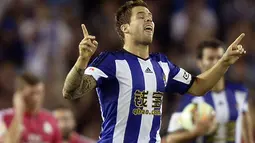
{"points": [[77, 83], [205, 81], [13, 133]]}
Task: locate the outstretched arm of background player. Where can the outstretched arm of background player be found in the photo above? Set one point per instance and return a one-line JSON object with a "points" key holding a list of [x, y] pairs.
{"points": [[185, 136], [247, 126], [247, 132], [180, 135], [77, 83], [205, 81]]}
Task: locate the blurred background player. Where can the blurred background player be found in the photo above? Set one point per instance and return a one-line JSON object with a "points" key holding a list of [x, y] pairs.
{"points": [[130, 83], [66, 123], [27, 122], [245, 125], [226, 98]]}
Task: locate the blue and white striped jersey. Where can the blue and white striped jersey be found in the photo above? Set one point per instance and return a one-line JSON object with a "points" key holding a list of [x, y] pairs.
{"points": [[226, 104], [130, 92]]}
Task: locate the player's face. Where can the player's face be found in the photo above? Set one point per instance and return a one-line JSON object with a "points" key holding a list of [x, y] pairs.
{"points": [[210, 58], [66, 121], [34, 96], [141, 27]]}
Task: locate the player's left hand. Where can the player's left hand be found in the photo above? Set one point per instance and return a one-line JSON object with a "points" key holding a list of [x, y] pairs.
{"points": [[18, 102], [234, 51]]}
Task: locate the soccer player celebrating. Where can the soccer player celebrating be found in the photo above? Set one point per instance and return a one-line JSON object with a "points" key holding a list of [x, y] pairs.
{"points": [[130, 83], [67, 124], [226, 98], [27, 122]]}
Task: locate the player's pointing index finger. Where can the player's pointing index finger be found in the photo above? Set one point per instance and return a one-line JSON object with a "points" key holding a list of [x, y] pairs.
{"points": [[85, 31], [238, 39]]}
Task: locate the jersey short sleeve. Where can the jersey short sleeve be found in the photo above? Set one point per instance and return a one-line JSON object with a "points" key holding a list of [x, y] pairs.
{"points": [[242, 93], [102, 67], [179, 81]]}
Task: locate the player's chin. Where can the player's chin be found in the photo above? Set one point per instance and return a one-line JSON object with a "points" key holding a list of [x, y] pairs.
{"points": [[147, 40]]}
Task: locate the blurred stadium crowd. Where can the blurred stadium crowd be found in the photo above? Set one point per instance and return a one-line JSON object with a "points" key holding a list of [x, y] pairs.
{"points": [[42, 36]]}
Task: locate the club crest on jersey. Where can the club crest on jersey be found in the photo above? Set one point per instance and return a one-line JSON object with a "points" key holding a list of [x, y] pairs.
{"points": [[47, 128]]}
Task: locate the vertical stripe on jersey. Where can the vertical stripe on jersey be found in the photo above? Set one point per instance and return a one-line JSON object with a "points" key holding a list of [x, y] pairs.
{"points": [[208, 99], [232, 105], [240, 99], [165, 68], [134, 121], [154, 134], [222, 113], [150, 82], [123, 74]]}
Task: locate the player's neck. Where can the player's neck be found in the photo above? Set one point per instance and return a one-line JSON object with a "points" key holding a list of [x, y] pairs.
{"points": [[34, 111], [137, 49], [219, 86]]}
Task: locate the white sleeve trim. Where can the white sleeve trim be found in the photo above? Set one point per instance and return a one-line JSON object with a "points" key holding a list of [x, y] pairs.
{"points": [[183, 76], [174, 124], [95, 72]]}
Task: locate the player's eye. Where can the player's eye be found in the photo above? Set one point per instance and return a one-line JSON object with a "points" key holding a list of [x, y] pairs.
{"points": [[141, 16]]}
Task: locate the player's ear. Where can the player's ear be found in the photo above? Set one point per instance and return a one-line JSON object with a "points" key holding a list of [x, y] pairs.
{"points": [[124, 28]]}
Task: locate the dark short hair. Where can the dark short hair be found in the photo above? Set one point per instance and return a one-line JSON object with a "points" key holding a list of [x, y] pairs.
{"points": [[214, 44], [27, 78], [123, 15]]}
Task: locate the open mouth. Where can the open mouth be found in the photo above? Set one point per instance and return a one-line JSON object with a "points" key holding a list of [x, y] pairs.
{"points": [[148, 28]]}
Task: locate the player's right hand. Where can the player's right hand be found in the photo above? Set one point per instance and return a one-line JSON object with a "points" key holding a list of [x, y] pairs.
{"points": [[88, 45], [234, 51], [204, 126]]}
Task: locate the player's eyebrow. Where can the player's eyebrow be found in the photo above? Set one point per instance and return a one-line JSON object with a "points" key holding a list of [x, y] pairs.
{"points": [[141, 12]]}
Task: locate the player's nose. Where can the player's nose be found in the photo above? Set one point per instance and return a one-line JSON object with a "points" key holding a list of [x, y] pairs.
{"points": [[148, 19]]}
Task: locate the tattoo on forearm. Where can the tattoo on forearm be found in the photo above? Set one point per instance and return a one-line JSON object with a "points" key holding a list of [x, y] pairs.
{"points": [[77, 84]]}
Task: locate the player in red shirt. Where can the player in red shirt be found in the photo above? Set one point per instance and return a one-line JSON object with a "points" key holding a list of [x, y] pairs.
{"points": [[66, 124], [27, 122]]}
